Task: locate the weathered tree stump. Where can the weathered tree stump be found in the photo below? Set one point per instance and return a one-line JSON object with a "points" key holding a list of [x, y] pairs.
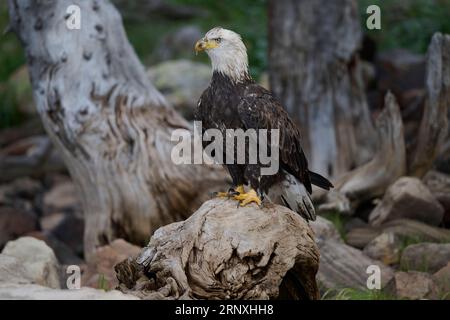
{"points": [[372, 179], [316, 73], [391, 159], [112, 127], [434, 124], [227, 252]]}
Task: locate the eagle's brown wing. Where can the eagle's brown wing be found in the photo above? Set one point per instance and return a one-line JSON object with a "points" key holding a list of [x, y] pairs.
{"points": [[258, 109]]}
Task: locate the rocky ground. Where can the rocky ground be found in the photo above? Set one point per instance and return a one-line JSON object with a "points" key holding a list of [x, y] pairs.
{"points": [[405, 233], [42, 234]]}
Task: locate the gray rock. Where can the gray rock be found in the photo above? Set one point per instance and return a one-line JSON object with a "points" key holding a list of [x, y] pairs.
{"points": [[342, 266], [324, 230], [63, 252], [354, 223], [428, 257], [11, 291], [409, 198], [62, 197], [413, 285], [179, 43], [12, 271], [385, 247], [419, 231], [442, 278], [49, 222], [105, 259], [182, 82], [361, 237], [406, 228], [15, 223], [39, 263], [71, 232], [439, 185]]}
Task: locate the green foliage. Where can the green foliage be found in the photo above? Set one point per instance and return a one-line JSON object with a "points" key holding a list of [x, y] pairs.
{"points": [[9, 113], [356, 294], [11, 53], [11, 58], [408, 24], [338, 221], [247, 17], [102, 283]]}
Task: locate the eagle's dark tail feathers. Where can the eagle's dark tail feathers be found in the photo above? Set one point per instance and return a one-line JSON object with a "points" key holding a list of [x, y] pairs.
{"points": [[318, 180]]}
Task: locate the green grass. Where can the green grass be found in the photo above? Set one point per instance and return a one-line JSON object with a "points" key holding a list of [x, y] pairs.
{"points": [[410, 240], [356, 294], [103, 283], [338, 221]]}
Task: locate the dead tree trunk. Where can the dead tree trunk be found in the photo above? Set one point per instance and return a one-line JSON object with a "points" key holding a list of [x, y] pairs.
{"points": [[434, 125], [225, 252], [315, 71], [391, 161], [372, 179], [110, 124]]}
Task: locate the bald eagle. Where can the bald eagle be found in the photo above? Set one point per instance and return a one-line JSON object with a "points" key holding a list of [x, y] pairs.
{"points": [[234, 101]]}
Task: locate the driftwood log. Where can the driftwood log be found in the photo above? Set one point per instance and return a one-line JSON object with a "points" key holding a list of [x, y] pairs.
{"points": [[319, 80], [434, 125], [110, 124], [391, 160], [225, 252], [371, 179]]}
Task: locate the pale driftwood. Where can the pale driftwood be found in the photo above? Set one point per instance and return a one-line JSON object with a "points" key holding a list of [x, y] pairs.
{"points": [[342, 266], [434, 125], [226, 252], [360, 237], [319, 79], [110, 124], [371, 179], [391, 161]]}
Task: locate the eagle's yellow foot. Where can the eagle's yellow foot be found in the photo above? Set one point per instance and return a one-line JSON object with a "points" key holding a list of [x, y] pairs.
{"points": [[247, 197], [240, 189], [230, 193], [221, 194]]}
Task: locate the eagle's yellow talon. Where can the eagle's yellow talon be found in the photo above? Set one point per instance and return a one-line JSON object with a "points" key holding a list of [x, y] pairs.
{"points": [[240, 189], [246, 198], [221, 194], [230, 193]]}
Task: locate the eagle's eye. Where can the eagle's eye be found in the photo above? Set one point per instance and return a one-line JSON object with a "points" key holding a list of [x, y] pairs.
{"points": [[218, 40]]}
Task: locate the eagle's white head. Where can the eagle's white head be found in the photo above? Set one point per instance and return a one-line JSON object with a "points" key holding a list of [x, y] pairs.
{"points": [[227, 53]]}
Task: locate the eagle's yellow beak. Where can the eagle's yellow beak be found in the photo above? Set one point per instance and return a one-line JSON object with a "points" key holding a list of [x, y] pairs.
{"points": [[204, 44]]}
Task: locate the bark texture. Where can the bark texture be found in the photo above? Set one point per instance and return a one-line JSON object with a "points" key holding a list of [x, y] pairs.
{"points": [[110, 124], [315, 71], [391, 160], [434, 125], [225, 252], [371, 179]]}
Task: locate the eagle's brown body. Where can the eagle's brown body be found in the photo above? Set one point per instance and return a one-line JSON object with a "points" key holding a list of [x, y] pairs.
{"points": [[246, 105], [234, 101]]}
